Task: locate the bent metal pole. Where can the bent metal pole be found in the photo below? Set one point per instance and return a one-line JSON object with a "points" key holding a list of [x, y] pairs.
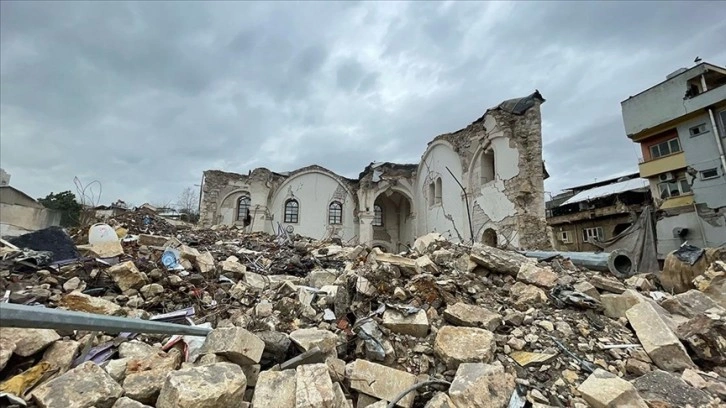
{"points": [[34, 317]]}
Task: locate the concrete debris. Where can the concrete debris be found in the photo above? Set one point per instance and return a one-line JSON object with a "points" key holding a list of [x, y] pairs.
{"points": [[304, 323]]}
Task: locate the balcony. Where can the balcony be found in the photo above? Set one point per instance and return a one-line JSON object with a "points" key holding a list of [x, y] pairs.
{"points": [[662, 165]]}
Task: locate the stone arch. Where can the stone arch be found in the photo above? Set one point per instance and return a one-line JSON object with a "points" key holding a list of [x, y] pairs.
{"points": [[228, 217], [386, 246], [489, 237], [319, 170]]}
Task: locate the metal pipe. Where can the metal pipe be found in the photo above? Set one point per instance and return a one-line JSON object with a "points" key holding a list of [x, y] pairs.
{"points": [[466, 199], [35, 317], [618, 262]]}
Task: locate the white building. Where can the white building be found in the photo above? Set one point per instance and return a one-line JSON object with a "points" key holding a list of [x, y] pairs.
{"points": [[482, 183]]}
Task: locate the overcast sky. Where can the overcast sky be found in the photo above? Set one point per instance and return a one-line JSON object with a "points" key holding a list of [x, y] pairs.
{"points": [[145, 96]]}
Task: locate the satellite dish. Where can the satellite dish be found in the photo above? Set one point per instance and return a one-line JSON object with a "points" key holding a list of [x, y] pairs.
{"points": [[289, 229]]}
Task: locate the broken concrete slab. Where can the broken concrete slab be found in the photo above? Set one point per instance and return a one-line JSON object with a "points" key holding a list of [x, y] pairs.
{"points": [[416, 324], [233, 268], [235, 344], [378, 256], [479, 385], [588, 289], [127, 276], [660, 387], [615, 306], [321, 277], [535, 275], [306, 339], [607, 284], [456, 345], [217, 385], [205, 263], [462, 314], [314, 389], [657, 339], [28, 341], [87, 385], [366, 377], [499, 261], [275, 389], [603, 389], [422, 243], [424, 264]]}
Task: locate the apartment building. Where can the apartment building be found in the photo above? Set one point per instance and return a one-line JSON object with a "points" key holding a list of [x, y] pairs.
{"points": [[680, 125]]}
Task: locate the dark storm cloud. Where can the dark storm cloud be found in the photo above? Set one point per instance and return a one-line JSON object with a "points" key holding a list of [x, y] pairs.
{"points": [[145, 96]]}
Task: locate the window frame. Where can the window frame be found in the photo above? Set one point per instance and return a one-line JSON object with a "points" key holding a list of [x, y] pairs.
{"points": [[432, 193], [714, 170], [438, 191], [565, 237], [598, 232], [679, 184], [335, 213], [240, 215], [700, 125], [291, 216], [667, 144], [377, 216], [722, 118]]}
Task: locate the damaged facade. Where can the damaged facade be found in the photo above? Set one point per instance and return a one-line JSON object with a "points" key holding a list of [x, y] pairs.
{"points": [[484, 183], [680, 125]]}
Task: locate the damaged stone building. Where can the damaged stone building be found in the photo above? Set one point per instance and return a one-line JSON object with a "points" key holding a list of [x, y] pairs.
{"points": [[483, 183]]}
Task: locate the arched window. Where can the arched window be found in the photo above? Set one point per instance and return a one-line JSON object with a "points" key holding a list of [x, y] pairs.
{"points": [[438, 190], [291, 211], [243, 208], [377, 216], [335, 213], [487, 166]]}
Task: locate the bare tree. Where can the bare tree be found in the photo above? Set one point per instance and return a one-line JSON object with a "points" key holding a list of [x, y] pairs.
{"points": [[188, 203]]}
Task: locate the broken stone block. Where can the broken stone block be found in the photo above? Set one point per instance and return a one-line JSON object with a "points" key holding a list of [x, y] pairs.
{"points": [[442, 256], [28, 341], [636, 367], [616, 305], [235, 344], [306, 339], [588, 289], [456, 345], [127, 276], [693, 379], [314, 388], [87, 385], [526, 358], [126, 402], [607, 284], [152, 240], [713, 282], [80, 302], [72, 284], [364, 286], [145, 376], [690, 304], [256, 281], [705, 336], [422, 243], [416, 324], [424, 264], [378, 256], [659, 388], [340, 400], [205, 263], [263, 309], [603, 389], [542, 277], [276, 345], [478, 385], [440, 400], [116, 368], [336, 369], [640, 282], [657, 339], [497, 260], [233, 268], [212, 386], [462, 314], [319, 278], [275, 389], [7, 347], [136, 349], [366, 401], [151, 290], [61, 353], [366, 377], [525, 295], [252, 372]]}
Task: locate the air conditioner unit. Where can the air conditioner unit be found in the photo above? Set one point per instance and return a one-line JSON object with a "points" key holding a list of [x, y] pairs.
{"points": [[666, 177]]}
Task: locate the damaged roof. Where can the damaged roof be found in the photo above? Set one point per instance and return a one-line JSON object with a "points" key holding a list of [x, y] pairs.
{"points": [[519, 106], [636, 184]]}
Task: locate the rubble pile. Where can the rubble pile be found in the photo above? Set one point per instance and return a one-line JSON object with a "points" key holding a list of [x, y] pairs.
{"points": [[302, 323]]}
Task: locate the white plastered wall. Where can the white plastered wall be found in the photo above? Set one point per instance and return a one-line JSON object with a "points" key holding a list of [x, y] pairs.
{"points": [[433, 218], [314, 191]]}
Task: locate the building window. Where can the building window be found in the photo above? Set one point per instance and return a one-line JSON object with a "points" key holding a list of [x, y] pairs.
{"points": [[243, 208], [698, 130], [335, 213], [292, 209], [709, 174], [592, 234], [673, 188], [665, 148], [722, 119], [565, 237], [487, 167], [438, 190], [377, 216], [432, 193]]}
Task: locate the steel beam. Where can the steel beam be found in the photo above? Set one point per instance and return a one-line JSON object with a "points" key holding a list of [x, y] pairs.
{"points": [[35, 317]]}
